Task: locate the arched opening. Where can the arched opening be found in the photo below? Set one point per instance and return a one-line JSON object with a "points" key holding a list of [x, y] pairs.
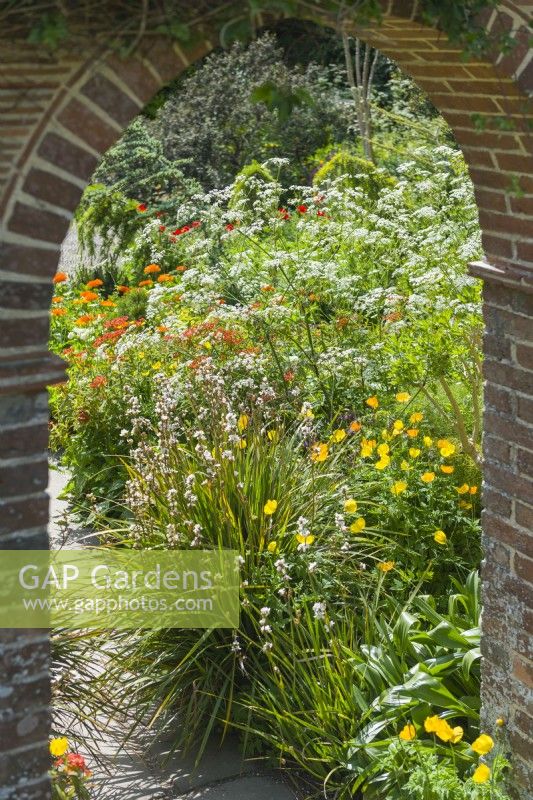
{"points": [[88, 118]]}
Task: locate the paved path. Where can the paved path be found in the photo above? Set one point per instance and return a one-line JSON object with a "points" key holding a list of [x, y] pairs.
{"points": [[141, 770]]}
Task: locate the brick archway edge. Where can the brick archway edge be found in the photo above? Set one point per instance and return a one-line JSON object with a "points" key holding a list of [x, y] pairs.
{"points": [[59, 114]]}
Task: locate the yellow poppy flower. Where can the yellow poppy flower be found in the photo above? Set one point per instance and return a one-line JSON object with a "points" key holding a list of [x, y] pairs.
{"points": [[383, 462], [446, 448], [428, 477], [270, 507], [272, 547], [58, 747], [416, 416], [398, 425], [458, 733], [273, 435], [428, 441], [440, 537], [338, 435], [481, 774], [483, 744], [463, 489], [243, 444], [385, 566], [447, 469], [473, 490], [319, 452], [383, 449], [398, 487], [358, 526], [403, 397], [367, 446], [407, 733], [414, 452], [242, 423], [373, 401], [405, 465], [350, 505], [304, 538]]}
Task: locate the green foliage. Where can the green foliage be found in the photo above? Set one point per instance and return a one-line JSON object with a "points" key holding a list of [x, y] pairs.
{"points": [[212, 120], [50, 30], [354, 172]]}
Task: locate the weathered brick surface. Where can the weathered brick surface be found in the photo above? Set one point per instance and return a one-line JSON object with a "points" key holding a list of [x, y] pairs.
{"points": [[65, 110]]}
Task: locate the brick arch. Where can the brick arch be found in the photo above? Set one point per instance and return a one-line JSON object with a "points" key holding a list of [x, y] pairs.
{"points": [[61, 114]]}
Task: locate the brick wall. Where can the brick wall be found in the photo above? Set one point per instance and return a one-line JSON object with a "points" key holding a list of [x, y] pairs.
{"points": [[60, 112]]}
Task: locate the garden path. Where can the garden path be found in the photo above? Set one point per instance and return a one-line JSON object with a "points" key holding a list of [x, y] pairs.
{"points": [[142, 769]]}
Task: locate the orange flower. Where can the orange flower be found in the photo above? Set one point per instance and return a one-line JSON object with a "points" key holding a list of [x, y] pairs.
{"points": [[162, 328], [412, 432], [151, 268], [88, 296], [94, 283], [447, 469], [123, 289], [164, 278], [181, 268], [100, 380], [108, 304], [59, 277], [59, 312], [147, 282], [57, 299], [84, 319], [373, 401], [355, 426]]}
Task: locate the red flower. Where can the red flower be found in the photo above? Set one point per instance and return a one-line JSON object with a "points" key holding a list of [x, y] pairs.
{"points": [[142, 207], [162, 228], [321, 213], [196, 224], [100, 380], [284, 214], [288, 376], [230, 227], [302, 209]]}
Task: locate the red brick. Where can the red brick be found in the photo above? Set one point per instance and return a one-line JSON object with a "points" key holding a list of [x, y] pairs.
{"points": [[15, 295], [507, 481], [498, 398], [23, 478], [523, 567], [136, 75], [38, 224], [524, 515], [523, 670], [525, 251], [524, 461], [504, 531], [21, 333], [500, 504], [89, 127], [471, 103], [23, 440], [24, 514], [68, 156], [505, 223], [165, 60], [498, 450], [508, 375], [108, 96], [496, 246], [524, 356], [492, 201], [478, 158], [48, 187], [522, 205]]}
